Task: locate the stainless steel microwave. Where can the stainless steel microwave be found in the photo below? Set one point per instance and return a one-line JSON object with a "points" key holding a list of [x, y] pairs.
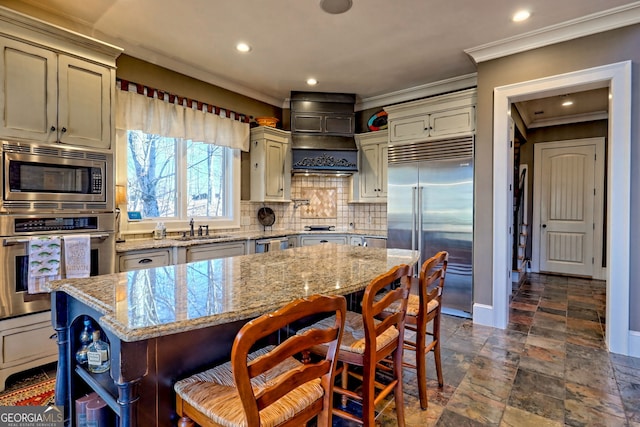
{"points": [[44, 178]]}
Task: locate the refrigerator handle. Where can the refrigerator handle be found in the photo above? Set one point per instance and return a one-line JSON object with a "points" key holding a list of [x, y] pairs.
{"points": [[414, 224], [419, 227]]}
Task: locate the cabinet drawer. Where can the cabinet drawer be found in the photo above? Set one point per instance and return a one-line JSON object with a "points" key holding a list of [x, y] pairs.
{"points": [[25, 343], [316, 240], [216, 250], [141, 260]]}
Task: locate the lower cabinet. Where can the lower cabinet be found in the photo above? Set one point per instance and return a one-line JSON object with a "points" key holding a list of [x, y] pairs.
{"points": [[26, 342], [136, 260], [308, 240], [216, 250]]}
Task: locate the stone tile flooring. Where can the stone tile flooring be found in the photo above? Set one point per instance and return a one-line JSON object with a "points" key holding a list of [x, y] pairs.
{"points": [[550, 367]]}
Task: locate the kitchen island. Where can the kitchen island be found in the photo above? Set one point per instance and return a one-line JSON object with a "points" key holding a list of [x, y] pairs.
{"points": [[166, 323]]}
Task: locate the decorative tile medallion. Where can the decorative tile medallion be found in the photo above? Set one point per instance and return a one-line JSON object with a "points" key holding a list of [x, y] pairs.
{"points": [[323, 203]]}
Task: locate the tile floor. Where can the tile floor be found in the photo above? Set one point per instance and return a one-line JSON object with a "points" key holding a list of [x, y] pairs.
{"points": [[550, 367]]}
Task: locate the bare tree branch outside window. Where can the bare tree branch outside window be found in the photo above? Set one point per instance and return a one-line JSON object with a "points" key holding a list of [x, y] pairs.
{"points": [[152, 169]]}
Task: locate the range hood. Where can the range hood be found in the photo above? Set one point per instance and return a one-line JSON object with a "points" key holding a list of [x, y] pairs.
{"points": [[322, 127]]}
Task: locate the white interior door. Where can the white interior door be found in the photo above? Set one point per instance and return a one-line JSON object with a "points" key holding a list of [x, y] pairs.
{"points": [[567, 187]]}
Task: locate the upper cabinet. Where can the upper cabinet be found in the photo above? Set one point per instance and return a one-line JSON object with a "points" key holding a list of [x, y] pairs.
{"points": [[370, 184], [442, 116], [56, 86], [270, 155]]}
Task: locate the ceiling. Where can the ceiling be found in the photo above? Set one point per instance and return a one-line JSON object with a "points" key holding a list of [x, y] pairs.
{"points": [[585, 106], [377, 48]]}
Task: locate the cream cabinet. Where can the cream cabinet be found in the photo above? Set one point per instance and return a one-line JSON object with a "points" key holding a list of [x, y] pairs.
{"points": [[441, 116], [26, 342], [370, 185], [270, 155], [137, 260], [55, 89], [216, 250], [309, 240]]}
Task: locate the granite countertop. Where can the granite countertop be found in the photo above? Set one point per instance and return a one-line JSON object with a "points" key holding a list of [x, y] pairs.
{"points": [[145, 304], [141, 244]]}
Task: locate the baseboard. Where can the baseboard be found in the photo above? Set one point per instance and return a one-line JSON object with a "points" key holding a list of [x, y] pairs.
{"points": [[634, 343], [483, 314]]}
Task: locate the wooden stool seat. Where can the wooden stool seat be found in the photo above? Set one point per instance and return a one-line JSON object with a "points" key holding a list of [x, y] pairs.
{"points": [[353, 340], [214, 393], [269, 387]]}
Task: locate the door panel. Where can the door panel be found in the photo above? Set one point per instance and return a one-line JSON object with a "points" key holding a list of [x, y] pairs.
{"points": [[446, 189], [567, 209]]}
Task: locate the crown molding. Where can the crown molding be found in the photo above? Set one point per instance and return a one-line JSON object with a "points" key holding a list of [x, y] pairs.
{"points": [[587, 25], [409, 94]]}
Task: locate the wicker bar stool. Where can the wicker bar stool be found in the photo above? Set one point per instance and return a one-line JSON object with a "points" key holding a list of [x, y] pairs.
{"points": [[367, 341], [268, 386]]}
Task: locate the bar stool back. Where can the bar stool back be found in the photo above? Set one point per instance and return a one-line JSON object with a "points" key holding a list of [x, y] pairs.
{"points": [[269, 387]]}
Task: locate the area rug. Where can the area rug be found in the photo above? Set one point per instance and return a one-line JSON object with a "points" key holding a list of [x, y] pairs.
{"points": [[40, 394]]}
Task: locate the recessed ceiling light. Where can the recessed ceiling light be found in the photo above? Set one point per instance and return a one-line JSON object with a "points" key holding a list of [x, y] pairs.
{"points": [[243, 47], [312, 81], [521, 15], [567, 103]]}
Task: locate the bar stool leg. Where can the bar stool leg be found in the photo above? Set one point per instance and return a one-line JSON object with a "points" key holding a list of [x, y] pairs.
{"points": [[421, 363]]}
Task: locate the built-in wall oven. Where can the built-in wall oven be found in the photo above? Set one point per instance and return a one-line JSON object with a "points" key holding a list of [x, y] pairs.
{"points": [[52, 178], [15, 233]]}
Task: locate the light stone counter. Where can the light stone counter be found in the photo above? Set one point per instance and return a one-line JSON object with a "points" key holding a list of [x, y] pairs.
{"points": [[145, 304], [141, 244]]}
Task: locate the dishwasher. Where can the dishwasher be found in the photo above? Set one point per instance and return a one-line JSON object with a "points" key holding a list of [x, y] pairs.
{"points": [[270, 245]]}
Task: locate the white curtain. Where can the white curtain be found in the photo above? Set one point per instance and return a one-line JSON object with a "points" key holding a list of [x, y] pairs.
{"points": [[152, 115]]}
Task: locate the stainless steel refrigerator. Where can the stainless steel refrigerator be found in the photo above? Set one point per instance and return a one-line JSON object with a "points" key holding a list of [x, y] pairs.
{"points": [[430, 208]]}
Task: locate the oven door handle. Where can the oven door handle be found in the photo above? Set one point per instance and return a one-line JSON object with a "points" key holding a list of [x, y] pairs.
{"points": [[20, 241]]}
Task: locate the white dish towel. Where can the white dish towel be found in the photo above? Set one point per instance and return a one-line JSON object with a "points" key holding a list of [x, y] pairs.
{"points": [[77, 256], [274, 245], [44, 263]]}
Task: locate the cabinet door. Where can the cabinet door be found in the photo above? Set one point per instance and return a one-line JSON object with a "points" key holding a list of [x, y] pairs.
{"points": [[369, 171], [29, 91], [416, 127], [84, 105], [382, 169], [275, 159], [450, 122]]}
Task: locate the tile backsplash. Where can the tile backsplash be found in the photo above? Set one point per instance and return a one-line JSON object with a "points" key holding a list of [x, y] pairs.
{"points": [[328, 201], [295, 215]]}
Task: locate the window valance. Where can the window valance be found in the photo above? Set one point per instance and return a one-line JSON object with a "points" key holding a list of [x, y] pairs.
{"points": [[162, 117]]}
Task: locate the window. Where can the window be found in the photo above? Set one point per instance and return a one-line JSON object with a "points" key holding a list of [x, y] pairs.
{"points": [[176, 179], [178, 162]]}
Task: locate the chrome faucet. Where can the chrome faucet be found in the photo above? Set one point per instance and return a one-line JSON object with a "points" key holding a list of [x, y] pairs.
{"points": [[191, 233]]}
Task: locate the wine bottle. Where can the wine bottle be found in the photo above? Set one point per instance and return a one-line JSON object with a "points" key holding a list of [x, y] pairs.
{"points": [[85, 340]]}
